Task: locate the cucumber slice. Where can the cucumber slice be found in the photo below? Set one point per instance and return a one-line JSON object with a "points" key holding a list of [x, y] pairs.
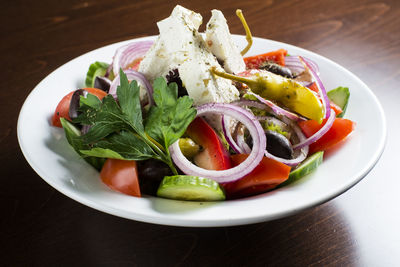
{"points": [[95, 69], [306, 167], [184, 187], [340, 96]]}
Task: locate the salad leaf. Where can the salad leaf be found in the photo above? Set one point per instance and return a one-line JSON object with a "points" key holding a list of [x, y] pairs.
{"points": [[168, 121]]}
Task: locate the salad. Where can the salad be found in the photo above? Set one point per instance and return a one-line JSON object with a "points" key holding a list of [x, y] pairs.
{"points": [[189, 117]]}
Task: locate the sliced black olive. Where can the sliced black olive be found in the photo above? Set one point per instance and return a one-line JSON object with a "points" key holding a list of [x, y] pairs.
{"points": [[173, 77], [278, 145], [102, 83], [151, 172], [277, 69], [74, 104]]}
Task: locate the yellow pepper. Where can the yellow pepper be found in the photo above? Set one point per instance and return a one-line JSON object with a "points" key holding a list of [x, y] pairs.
{"points": [[284, 91]]}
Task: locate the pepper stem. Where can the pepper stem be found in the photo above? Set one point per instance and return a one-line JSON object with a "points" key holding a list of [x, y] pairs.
{"points": [[231, 76], [249, 38]]}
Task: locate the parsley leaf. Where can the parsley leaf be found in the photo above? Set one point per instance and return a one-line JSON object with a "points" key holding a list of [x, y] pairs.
{"points": [[109, 118], [168, 120], [122, 145], [129, 100], [118, 129]]}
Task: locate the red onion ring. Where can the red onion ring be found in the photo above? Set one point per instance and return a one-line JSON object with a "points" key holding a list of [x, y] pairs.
{"points": [[295, 65], [319, 133], [235, 173], [321, 88], [275, 108], [241, 147], [301, 154], [228, 136], [133, 75], [250, 103], [242, 144], [126, 54]]}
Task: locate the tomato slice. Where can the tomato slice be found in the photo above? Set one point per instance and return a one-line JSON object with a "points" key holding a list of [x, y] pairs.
{"points": [[266, 176], [340, 129], [254, 62], [214, 155], [121, 176], [313, 86], [62, 108]]}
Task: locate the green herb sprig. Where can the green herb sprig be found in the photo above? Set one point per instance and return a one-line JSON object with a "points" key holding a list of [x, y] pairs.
{"points": [[120, 130]]}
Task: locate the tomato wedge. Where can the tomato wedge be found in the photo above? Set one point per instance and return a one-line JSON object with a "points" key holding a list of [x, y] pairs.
{"points": [[62, 108], [121, 176], [340, 129], [313, 86], [254, 62], [266, 176], [214, 155]]}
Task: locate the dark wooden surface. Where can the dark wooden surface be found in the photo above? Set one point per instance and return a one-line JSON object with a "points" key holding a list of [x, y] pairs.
{"points": [[42, 227]]}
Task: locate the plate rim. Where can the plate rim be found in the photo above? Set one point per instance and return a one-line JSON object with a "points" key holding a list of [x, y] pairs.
{"points": [[207, 223]]}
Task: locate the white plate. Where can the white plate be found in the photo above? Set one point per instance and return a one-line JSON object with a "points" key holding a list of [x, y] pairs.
{"points": [[49, 154]]}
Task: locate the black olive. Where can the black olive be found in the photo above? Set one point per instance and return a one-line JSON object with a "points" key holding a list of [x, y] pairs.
{"points": [[74, 104], [277, 69], [151, 172], [102, 83], [278, 145], [173, 77]]}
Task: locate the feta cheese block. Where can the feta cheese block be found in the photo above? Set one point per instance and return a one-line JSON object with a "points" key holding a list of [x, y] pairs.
{"points": [[220, 43], [180, 46]]}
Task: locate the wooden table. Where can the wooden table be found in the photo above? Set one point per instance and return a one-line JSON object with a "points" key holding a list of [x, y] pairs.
{"points": [[42, 227]]}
